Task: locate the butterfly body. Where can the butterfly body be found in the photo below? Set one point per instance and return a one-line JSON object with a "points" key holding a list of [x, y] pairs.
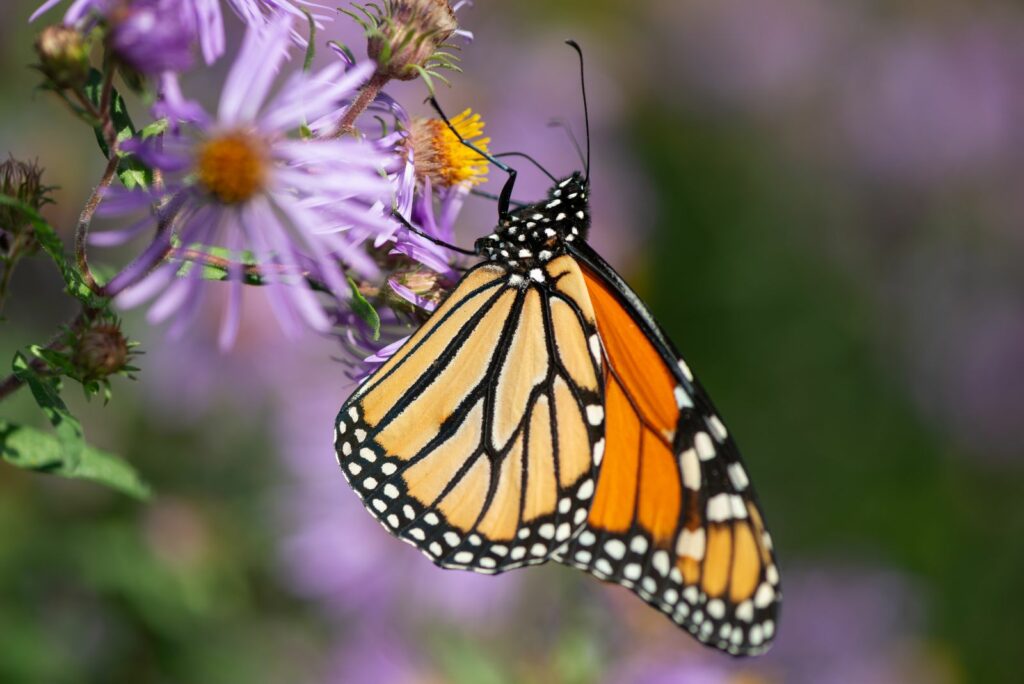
{"points": [[542, 414]]}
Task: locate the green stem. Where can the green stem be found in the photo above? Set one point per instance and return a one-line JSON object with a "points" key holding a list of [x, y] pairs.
{"points": [[85, 220]]}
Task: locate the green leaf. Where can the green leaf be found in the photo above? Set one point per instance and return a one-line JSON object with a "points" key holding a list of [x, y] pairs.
{"points": [[131, 170], [44, 391], [364, 309], [31, 449], [51, 243]]}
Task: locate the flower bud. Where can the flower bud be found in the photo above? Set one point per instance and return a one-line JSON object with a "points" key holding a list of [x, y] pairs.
{"points": [[63, 56], [24, 182], [406, 36], [102, 350], [415, 286]]}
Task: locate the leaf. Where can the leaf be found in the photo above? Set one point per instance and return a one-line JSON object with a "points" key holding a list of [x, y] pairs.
{"points": [[131, 170], [44, 391], [365, 310], [31, 449], [51, 243]]}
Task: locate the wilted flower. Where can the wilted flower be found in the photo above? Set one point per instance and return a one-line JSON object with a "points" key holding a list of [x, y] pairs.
{"points": [[22, 181], [240, 193]]}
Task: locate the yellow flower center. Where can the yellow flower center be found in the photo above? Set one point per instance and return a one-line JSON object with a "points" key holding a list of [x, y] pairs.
{"points": [[440, 155], [232, 167]]}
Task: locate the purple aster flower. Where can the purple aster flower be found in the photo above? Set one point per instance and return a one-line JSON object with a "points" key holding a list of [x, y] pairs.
{"points": [[259, 13], [238, 183], [153, 36], [155, 25]]}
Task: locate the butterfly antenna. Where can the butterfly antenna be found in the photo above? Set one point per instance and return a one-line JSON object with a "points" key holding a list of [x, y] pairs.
{"points": [[506, 190], [564, 125], [583, 88], [529, 159], [491, 196], [437, 241]]}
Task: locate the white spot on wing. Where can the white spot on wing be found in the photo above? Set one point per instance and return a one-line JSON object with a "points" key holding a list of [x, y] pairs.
{"points": [[738, 476], [615, 548], [719, 508], [691, 469], [691, 543], [717, 428], [705, 448]]}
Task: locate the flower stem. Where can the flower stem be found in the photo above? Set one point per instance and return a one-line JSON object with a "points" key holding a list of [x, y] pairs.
{"points": [[85, 220], [367, 94]]}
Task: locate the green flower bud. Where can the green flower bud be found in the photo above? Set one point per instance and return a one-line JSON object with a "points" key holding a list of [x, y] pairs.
{"points": [[63, 56]]}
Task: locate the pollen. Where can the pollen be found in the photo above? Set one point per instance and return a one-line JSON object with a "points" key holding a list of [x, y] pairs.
{"points": [[440, 155], [232, 167]]}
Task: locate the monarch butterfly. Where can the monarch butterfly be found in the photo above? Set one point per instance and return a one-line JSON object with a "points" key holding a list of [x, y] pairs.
{"points": [[542, 414]]}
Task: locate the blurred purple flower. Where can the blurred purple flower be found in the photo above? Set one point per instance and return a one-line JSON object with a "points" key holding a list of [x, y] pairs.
{"points": [[839, 624], [921, 107], [153, 36], [962, 310], [338, 555], [377, 655], [260, 13], [748, 54], [79, 9], [238, 183], [155, 25]]}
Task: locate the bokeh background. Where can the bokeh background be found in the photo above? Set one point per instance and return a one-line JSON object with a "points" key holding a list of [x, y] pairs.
{"points": [[823, 203]]}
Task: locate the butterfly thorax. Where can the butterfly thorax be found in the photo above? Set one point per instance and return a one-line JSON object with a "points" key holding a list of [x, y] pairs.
{"points": [[533, 235]]}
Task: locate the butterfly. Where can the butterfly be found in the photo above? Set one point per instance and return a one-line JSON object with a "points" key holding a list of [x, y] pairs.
{"points": [[541, 413]]}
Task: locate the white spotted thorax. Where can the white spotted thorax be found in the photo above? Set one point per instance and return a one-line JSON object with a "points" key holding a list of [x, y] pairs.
{"points": [[534, 234]]}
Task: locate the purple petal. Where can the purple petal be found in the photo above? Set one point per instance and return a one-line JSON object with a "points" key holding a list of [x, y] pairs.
{"points": [[254, 71], [410, 296]]}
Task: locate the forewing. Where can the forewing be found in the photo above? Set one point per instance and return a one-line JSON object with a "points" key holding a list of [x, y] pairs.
{"points": [[476, 441], [674, 517]]}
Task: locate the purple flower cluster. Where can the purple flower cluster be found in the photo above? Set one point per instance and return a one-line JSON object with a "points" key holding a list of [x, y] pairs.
{"points": [[265, 189]]}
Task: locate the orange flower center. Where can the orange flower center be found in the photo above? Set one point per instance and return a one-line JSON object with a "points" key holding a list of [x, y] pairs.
{"points": [[232, 167]]}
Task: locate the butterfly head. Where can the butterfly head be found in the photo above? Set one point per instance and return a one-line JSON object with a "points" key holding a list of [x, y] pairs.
{"points": [[537, 233]]}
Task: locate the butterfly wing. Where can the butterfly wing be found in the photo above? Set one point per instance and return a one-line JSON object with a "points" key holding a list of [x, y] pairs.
{"points": [[476, 441], [674, 517]]}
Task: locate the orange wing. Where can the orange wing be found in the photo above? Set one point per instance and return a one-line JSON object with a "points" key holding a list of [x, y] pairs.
{"points": [[673, 518]]}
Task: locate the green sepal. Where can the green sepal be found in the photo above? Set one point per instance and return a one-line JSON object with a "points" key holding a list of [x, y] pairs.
{"points": [[364, 309]]}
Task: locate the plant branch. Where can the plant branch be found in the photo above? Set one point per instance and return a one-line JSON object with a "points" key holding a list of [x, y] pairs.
{"points": [[13, 383], [85, 220]]}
